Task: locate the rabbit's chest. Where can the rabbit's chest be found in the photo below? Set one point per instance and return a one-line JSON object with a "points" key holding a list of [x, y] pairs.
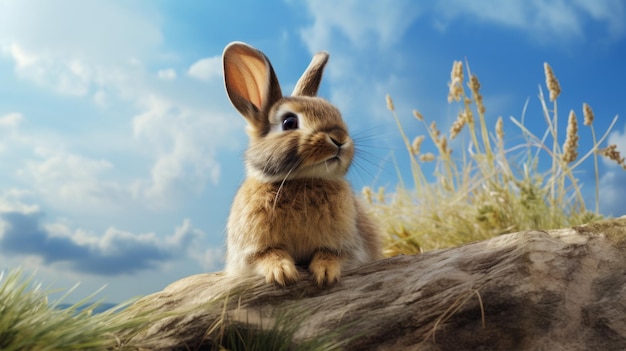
{"points": [[312, 209], [307, 218]]}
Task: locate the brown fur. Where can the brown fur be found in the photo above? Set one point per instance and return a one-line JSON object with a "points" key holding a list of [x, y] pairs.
{"points": [[295, 206]]}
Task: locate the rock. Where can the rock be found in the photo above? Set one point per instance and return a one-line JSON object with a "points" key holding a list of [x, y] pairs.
{"points": [[534, 290]]}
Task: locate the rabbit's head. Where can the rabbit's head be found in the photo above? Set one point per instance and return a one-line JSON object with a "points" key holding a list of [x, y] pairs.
{"points": [[295, 137]]}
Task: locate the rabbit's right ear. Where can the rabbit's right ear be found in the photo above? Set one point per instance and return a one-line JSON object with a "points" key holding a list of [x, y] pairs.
{"points": [[251, 83]]}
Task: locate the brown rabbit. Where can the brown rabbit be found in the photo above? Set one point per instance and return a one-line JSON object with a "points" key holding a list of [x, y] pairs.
{"points": [[295, 206]]}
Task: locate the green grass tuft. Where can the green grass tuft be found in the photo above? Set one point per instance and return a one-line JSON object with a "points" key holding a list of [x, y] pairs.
{"points": [[29, 322]]}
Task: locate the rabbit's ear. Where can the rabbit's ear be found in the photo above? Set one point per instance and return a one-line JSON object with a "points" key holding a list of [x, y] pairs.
{"points": [[251, 83], [311, 78]]}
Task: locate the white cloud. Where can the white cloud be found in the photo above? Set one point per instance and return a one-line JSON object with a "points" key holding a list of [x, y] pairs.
{"points": [[179, 138], [100, 98], [167, 74], [97, 50], [206, 69], [99, 30], [546, 21], [74, 180], [73, 46], [610, 11], [612, 190], [115, 252], [360, 21], [214, 259], [11, 120]]}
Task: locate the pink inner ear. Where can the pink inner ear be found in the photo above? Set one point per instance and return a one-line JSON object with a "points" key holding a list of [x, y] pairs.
{"points": [[249, 78]]}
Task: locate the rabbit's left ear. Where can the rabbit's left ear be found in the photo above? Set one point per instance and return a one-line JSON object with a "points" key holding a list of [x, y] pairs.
{"points": [[250, 82], [310, 81]]}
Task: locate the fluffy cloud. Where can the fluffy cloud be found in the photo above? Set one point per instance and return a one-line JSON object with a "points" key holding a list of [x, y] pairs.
{"points": [[358, 21], [115, 252], [175, 132], [612, 190], [545, 20], [73, 179], [8, 127], [73, 46], [178, 136], [206, 69], [167, 74]]}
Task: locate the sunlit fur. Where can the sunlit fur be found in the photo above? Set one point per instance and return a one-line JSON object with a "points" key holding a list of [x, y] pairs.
{"points": [[295, 206]]}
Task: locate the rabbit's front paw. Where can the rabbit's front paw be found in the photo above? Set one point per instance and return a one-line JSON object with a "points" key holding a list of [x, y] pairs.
{"points": [[278, 267], [326, 268]]}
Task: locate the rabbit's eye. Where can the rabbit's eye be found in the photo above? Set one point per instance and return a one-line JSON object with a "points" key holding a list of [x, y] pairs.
{"points": [[290, 121]]}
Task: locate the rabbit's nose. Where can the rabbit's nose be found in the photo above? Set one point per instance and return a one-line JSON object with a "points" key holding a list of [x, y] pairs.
{"points": [[336, 142], [338, 137]]}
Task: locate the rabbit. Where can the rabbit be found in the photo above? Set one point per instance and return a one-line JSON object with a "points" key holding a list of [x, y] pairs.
{"points": [[295, 207]]}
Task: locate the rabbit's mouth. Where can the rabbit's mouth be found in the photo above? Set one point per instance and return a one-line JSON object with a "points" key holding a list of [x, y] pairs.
{"points": [[333, 160]]}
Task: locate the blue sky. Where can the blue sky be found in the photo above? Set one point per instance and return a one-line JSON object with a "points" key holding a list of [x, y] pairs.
{"points": [[120, 153]]}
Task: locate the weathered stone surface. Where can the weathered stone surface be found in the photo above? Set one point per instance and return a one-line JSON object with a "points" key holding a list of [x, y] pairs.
{"points": [[556, 290]]}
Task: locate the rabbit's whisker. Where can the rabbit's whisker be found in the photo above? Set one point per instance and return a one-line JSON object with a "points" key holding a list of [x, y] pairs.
{"points": [[283, 183]]}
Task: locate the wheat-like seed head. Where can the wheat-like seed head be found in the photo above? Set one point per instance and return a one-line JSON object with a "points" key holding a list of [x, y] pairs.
{"points": [[418, 115], [571, 139], [500, 129], [468, 115], [456, 82], [457, 126], [474, 85], [613, 154], [435, 132], [367, 193], [443, 146], [417, 144], [390, 103], [588, 114], [551, 82], [427, 157]]}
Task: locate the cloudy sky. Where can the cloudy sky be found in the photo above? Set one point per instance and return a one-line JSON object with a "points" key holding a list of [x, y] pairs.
{"points": [[120, 153]]}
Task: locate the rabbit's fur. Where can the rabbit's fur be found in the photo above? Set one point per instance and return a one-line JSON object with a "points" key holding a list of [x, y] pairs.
{"points": [[295, 206]]}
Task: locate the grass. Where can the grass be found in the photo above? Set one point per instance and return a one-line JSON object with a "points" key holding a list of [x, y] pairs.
{"points": [[29, 322], [490, 188]]}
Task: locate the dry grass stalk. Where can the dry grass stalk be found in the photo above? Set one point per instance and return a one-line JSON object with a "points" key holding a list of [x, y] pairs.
{"points": [[456, 82], [613, 154], [476, 196], [457, 126], [474, 86], [434, 132], [390, 104], [551, 82], [500, 130], [427, 157], [588, 114], [588, 120], [418, 115], [570, 146], [416, 146]]}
